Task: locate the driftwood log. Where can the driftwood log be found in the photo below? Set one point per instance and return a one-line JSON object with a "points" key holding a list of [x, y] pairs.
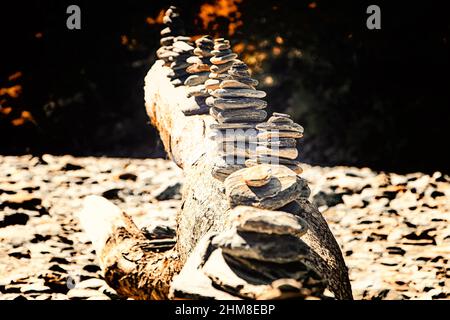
{"points": [[144, 268]]}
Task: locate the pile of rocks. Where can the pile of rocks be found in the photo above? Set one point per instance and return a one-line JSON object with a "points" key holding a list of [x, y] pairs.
{"points": [[258, 240], [222, 60], [277, 142], [238, 108], [198, 69], [175, 48], [182, 50], [174, 28]]}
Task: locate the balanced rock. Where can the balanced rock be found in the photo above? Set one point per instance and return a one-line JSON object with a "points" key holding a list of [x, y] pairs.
{"points": [[199, 70], [277, 142], [239, 103], [222, 60], [283, 187], [174, 28]]}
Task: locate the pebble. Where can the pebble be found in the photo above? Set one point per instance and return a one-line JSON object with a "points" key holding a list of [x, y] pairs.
{"points": [[246, 93]]}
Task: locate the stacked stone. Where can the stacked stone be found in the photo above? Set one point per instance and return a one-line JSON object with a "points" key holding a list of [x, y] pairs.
{"points": [[198, 69], [182, 49], [238, 108], [222, 60], [277, 142], [174, 28]]}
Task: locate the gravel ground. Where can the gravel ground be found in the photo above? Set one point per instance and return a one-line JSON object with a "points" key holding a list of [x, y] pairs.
{"points": [[393, 229]]}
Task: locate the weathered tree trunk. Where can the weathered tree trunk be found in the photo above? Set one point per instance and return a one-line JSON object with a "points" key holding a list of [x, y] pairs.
{"points": [[133, 265]]}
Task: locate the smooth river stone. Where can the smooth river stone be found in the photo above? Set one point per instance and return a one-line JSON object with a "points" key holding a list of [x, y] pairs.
{"points": [[220, 53], [220, 68], [183, 46], [249, 81], [222, 46], [202, 53], [228, 148], [232, 135], [289, 153], [223, 59], [247, 93], [195, 91], [196, 79], [196, 68], [166, 41], [182, 38], [280, 120], [178, 65], [283, 143], [206, 40], [250, 219], [220, 76], [265, 135], [258, 176], [238, 115], [196, 59], [280, 127], [281, 115], [166, 31], [212, 84], [294, 167], [235, 85], [240, 65], [238, 125], [261, 247], [239, 103], [276, 160], [284, 187], [239, 74], [222, 168], [168, 54]]}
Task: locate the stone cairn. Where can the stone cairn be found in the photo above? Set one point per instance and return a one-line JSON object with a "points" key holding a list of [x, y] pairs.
{"points": [[222, 60], [174, 28], [277, 142], [199, 65], [237, 107], [175, 48]]}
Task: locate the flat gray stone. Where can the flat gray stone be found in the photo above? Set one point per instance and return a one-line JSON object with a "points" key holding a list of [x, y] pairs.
{"points": [[247, 93], [238, 115], [239, 103]]}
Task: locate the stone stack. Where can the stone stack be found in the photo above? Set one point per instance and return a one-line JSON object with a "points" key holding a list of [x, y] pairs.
{"points": [[238, 108], [222, 60], [182, 49], [198, 69], [277, 142], [174, 28], [175, 48]]}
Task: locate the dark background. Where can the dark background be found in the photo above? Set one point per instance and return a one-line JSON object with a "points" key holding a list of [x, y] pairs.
{"points": [[377, 98]]}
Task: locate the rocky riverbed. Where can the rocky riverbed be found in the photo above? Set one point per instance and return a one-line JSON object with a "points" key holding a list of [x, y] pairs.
{"points": [[394, 230]]}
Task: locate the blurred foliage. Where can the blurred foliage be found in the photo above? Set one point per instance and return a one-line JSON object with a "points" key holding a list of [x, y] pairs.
{"points": [[367, 98]]}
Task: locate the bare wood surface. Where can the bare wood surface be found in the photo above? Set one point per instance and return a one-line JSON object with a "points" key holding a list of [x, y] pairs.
{"points": [[133, 265]]}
